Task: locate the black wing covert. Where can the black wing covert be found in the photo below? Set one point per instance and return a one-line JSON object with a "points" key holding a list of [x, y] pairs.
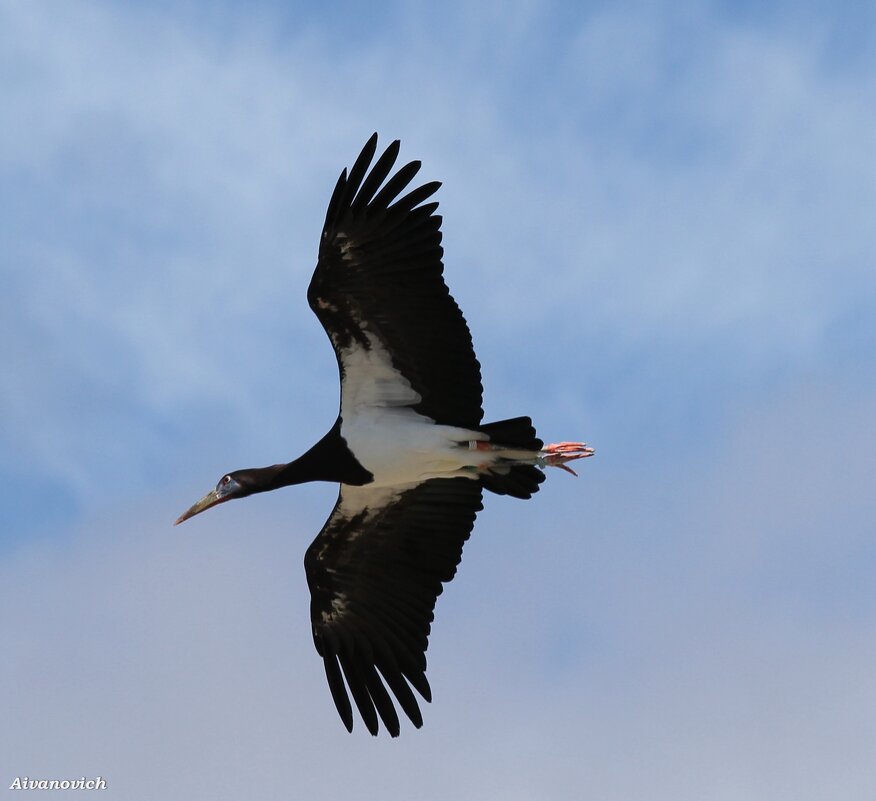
{"points": [[379, 278], [374, 572]]}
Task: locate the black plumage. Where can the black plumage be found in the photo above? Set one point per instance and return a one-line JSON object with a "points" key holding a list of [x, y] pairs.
{"points": [[374, 574], [408, 448], [380, 269]]}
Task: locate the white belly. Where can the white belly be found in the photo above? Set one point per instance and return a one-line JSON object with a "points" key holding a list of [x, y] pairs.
{"points": [[388, 438], [398, 446]]}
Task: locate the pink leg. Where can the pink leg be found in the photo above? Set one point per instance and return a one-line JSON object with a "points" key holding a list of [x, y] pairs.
{"points": [[558, 453]]}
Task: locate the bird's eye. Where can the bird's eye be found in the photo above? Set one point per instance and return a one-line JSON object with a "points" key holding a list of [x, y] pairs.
{"points": [[225, 480]]}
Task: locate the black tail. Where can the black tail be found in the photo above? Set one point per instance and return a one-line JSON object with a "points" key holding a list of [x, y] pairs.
{"points": [[517, 480]]}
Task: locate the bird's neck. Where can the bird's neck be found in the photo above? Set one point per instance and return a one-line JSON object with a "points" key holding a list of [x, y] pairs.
{"points": [[329, 460]]}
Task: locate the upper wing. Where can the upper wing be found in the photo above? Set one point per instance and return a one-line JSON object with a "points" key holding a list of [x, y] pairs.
{"points": [[378, 286], [374, 572]]}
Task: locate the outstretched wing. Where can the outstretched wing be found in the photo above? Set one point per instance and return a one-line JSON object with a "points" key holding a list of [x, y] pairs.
{"points": [[379, 293], [374, 572]]}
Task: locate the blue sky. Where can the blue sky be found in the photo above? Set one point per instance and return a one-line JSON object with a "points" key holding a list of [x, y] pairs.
{"points": [[659, 223]]}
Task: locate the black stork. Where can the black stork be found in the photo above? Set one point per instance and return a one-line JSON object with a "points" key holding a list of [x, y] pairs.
{"points": [[408, 449]]}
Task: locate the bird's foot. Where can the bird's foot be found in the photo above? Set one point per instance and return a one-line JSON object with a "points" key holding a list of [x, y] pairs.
{"points": [[558, 453]]}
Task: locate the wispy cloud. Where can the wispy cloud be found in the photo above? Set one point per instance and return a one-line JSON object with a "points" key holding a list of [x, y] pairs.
{"points": [[660, 227], [712, 190]]}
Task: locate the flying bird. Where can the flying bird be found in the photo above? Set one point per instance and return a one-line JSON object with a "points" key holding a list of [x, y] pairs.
{"points": [[408, 448]]}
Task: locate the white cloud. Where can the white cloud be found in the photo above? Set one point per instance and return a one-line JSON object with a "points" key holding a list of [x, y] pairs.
{"points": [[716, 194], [689, 623]]}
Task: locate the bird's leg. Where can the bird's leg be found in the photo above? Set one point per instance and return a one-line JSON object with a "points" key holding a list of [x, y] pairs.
{"points": [[554, 455], [558, 453]]}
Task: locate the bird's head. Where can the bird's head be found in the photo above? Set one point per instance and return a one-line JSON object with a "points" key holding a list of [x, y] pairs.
{"points": [[232, 485]]}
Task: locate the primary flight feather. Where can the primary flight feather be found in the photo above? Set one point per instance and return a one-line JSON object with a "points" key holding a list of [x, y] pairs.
{"points": [[408, 448]]}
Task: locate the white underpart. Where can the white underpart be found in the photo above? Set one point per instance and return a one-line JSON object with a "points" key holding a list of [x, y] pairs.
{"points": [[368, 499], [354, 501], [393, 442]]}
